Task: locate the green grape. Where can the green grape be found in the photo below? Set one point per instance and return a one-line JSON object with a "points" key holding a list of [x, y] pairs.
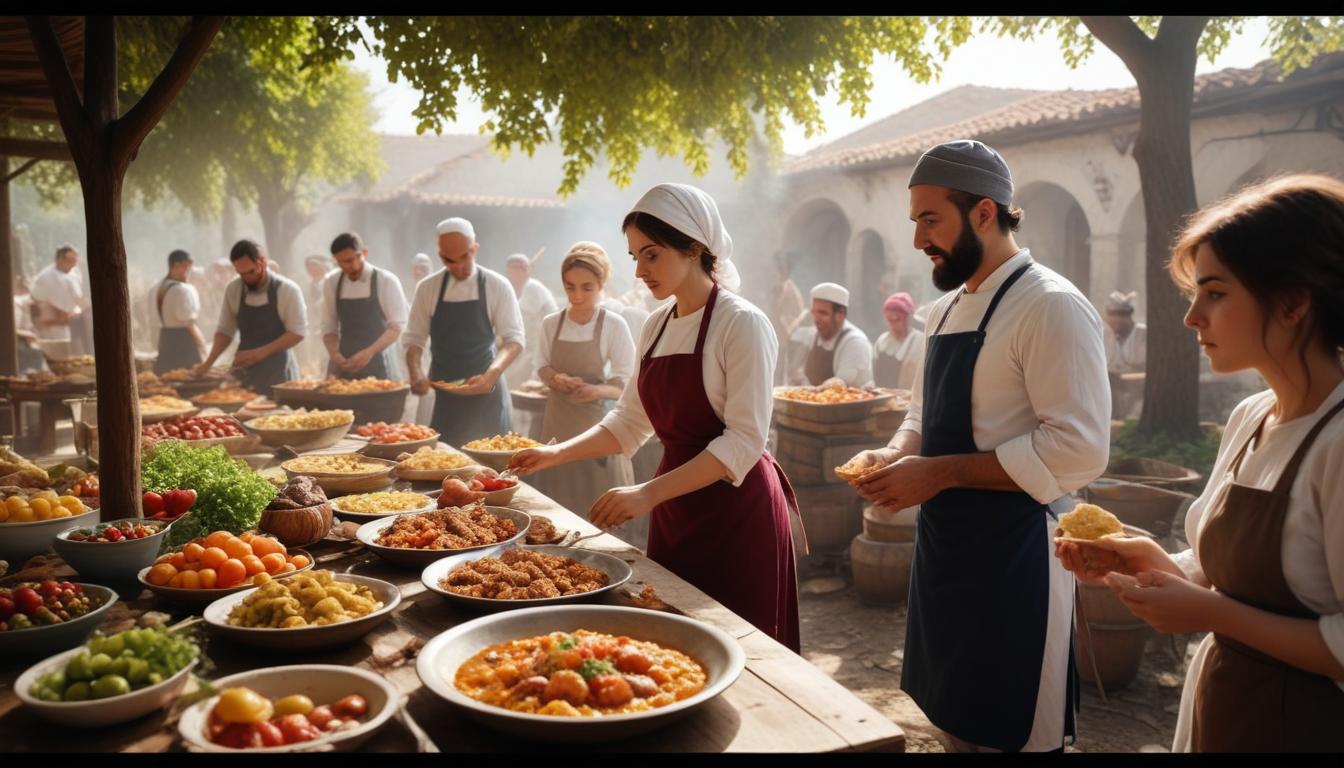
{"points": [[77, 692]]}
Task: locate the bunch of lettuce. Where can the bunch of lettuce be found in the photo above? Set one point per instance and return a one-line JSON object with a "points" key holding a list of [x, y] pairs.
{"points": [[230, 496]]}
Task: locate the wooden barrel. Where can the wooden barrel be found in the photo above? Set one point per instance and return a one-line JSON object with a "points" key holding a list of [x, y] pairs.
{"points": [[832, 516], [1156, 473], [811, 459], [1139, 504], [1111, 635], [888, 526], [881, 569]]}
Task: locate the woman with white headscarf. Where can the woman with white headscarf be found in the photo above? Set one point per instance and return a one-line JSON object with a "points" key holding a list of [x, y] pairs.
{"points": [[720, 502]]}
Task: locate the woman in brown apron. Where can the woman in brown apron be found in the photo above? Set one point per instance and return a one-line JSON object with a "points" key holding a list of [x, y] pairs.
{"points": [[582, 388], [1266, 273]]}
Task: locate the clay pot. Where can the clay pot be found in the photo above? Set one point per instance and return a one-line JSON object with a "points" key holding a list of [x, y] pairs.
{"points": [[297, 527]]}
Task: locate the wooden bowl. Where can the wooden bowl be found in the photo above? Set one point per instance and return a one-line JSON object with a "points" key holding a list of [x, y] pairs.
{"points": [[298, 527], [337, 484], [394, 450], [301, 439]]}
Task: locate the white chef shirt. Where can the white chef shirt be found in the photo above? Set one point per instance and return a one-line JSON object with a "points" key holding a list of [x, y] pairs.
{"points": [[1312, 548], [910, 351], [1130, 355], [1040, 398], [61, 290], [635, 317], [390, 295], [853, 360], [537, 300], [616, 346], [501, 305], [738, 364], [181, 306], [288, 298]]}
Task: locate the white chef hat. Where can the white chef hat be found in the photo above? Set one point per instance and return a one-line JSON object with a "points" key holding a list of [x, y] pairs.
{"points": [[422, 259], [831, 292], [518, 258], [692, 212], [457, 224], [1121, 302]]}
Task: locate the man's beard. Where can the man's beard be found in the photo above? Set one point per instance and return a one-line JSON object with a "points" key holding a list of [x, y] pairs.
{"points": [[958, 266]]}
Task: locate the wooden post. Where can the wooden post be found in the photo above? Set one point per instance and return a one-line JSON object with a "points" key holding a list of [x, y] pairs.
{"points": [[9, 352]]}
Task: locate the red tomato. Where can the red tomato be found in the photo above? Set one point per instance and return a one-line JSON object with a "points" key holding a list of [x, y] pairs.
{"points": [[296, 728], [49, 588], [152, 503], [271, 735], [353, 705], [240, 736], [321, 716], [27, 600]]}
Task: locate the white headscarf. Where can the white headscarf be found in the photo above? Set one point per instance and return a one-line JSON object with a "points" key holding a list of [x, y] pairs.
{"points": [[1121, 302], [692, 212]]}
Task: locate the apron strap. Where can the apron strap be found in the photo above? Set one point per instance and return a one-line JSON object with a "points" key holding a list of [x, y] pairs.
{"points": [[340, 279], [998, 295], [1290, 472], [704, 321], [480, 295], [164, 288]]}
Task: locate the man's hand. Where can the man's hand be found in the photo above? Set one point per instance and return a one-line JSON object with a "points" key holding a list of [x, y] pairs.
{"points": [[480, 384], [246, 358], [356, 362], [420, 386], [907, 482]]}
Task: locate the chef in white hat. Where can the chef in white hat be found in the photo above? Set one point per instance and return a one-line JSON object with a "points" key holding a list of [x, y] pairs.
{"points": [[839, 352]]}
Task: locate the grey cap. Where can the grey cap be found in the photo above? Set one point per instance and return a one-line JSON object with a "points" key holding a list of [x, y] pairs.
{"points": [[968, 165]]}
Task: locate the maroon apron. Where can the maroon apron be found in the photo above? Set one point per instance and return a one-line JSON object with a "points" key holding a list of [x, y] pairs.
{"points": [[734, 544]]}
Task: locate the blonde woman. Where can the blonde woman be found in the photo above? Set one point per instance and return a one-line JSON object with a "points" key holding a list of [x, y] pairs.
{"points": [[585, 355]]}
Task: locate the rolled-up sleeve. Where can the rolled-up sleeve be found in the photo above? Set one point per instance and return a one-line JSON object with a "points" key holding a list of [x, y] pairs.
{"points": [[292, 308], [1064, 368], [747, 354], [393, 300], [914, 415]]}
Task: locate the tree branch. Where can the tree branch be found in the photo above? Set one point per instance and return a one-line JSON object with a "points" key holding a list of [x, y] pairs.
{"points": [[61, 83], [135, 125], [1123, 37], [19, 171], [100, 71]]}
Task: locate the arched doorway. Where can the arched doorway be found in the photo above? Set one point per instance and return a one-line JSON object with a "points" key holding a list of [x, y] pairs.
{"points": [[869, 290], [817, 241], [1056, 230]]}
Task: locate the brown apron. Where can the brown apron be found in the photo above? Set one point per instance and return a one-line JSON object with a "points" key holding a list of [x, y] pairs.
{"points": [[579, 485], [887, 369], [820, 364], [1245, 700]]}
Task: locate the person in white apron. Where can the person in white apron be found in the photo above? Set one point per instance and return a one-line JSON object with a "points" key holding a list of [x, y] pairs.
{"points": [[900, 349], [586, 356], [1001, 428], [1262, 575]]}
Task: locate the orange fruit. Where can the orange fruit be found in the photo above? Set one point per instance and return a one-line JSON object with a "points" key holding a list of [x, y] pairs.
{"points": [[176, 581], [274, 562], [207, 577], [230, 573], [190, 580], [265, 545], [237, 548], [161, 559], [288, 568], [213, 556], [177, 560], [160, 574], [253, 565], [299, 561], [217, 539], [248, 536], [191, 566], [192, 552]]}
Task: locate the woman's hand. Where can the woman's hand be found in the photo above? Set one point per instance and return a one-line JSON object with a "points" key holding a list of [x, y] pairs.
{"points": [[621, 504], [530, 460], [1171, 604], [585, 393], [1091, 562]]}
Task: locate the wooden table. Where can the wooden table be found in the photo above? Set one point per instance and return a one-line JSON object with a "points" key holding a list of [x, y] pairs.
{"points": [[50, 398], [780, 703]]}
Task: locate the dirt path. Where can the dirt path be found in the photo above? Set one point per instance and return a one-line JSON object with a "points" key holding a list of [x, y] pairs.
{"points": [[859, 646]]}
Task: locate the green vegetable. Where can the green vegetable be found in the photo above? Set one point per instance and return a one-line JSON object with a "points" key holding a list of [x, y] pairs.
{"points": [[77, 692], [230, 496], [591, 668], [567, 643]]}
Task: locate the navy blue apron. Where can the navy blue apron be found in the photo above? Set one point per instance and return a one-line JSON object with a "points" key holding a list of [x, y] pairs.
{"points": [[362, 322], [259, 326], [980, 581], [463, 342], [177, 347]]}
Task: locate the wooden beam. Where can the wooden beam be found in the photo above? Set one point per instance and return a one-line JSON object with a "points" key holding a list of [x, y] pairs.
{"points": [[36, 148]]}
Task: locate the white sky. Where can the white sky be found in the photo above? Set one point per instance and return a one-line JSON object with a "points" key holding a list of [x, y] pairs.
{"points": [[984, 60]]}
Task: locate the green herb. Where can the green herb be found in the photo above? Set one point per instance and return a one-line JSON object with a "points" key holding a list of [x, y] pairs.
{"points": [[230, 496], [566, 644], [591, 668]]}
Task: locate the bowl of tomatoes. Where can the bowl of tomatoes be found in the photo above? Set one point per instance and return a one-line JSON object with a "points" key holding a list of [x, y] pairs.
{"points": [[113, 551], [203, 432], [46, 616], [296, 708], [388, 441]]}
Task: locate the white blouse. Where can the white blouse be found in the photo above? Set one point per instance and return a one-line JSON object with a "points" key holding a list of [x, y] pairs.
{"points": [[616, 345], [738, 367], [1040, 397], [1313, 529]]}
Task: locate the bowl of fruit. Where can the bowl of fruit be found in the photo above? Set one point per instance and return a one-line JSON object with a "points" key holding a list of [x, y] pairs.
{"points": [[111, 679], [112, 552], [39, 617], [207, 568], [484, 484], [388, 441], [297, 708], [30, 521]]}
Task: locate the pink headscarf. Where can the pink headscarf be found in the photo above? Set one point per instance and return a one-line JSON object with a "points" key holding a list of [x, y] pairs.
{"points": [[901, 301]]}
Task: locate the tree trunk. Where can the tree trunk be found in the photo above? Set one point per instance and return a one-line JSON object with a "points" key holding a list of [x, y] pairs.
{"points": [[281, 222], [1166, 175]]}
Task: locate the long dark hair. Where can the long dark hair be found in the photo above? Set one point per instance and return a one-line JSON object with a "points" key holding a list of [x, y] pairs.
{"points": [[668, 236], [1279, 237]]}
